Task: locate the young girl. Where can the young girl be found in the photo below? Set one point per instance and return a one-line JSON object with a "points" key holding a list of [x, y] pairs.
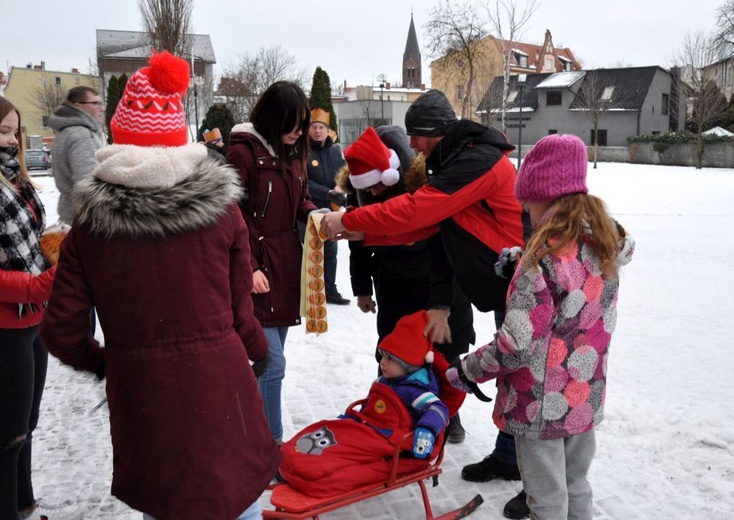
{"points": [[270, 153], [25, 284], [550, 355]]}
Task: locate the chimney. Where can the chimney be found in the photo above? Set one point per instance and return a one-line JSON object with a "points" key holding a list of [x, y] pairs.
{"points": [[387, 86], [37, 67], [43, 65], [423, 86], [74, 70]]}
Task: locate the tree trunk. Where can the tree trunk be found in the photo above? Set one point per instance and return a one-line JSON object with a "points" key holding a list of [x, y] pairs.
{"points": [[699, 150]]}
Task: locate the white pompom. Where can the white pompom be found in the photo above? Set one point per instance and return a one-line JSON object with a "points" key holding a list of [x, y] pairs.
{"points": [[429, 356], [390, 177]]}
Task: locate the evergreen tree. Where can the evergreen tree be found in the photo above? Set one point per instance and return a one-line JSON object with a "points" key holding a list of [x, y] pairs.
{"points": [[321, 95], [218, 116], [113, 97]]}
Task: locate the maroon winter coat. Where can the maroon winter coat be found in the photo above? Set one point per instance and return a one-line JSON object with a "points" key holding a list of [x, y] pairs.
{"points": [[161, 265], [273, 204]]}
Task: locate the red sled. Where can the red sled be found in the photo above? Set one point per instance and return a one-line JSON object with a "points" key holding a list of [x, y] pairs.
{"points": [[333, 463]]}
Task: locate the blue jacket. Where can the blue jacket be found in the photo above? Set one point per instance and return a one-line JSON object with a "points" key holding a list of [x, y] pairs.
{"points": [[323, 163], [419, 391]]}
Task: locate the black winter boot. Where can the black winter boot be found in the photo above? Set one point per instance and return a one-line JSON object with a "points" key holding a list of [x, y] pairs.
{"points": [[517, 508], [488, 469], [455, 431]]}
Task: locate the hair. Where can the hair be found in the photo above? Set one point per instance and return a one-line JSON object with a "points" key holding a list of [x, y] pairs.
{"points": [[280, 109], [569, 216], [5, 108], [79, 94]]}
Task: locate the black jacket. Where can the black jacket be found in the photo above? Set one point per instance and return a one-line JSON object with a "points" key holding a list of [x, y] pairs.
{"points": [[323, 163]]}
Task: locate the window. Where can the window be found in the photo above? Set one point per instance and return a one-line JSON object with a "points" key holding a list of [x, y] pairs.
{"points": [[607, 94], [602, 135], [460, 92], [45, 121], [58, 81], [567, 66], [664, 106], [549, 64], [656, 132], [523, 61], [553, 98], [511, 96], [552, 131]]}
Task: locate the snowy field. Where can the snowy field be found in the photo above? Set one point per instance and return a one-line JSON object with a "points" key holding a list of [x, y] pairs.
{"points": [[666, 448]]}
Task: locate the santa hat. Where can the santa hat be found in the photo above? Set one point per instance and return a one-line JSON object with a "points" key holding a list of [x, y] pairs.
{"points": [[371, 162], [407, 344], [150, 112]]}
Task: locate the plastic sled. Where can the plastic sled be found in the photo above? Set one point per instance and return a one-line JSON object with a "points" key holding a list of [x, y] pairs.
{"points": [[290, 503]]}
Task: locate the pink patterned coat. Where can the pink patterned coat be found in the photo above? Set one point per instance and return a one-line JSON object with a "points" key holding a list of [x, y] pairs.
{"points": [[550, 356]]}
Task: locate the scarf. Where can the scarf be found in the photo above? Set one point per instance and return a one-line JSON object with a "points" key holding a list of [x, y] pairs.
{"points": [[20, 230]]}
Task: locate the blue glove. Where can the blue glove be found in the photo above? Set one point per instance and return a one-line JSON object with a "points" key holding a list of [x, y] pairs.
{"points": [[507, 261], [423, 443]]}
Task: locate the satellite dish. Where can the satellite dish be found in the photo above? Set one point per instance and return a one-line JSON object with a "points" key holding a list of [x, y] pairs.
{"points": [[381, 78]]}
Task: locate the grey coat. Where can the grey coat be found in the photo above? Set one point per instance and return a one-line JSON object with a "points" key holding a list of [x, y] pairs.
{"points": [[78, 137]]}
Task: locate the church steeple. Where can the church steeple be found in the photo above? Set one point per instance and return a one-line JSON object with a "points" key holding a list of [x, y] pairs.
{"points": [[412, 77]]}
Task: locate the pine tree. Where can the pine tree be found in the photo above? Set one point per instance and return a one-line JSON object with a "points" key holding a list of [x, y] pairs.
{"points": [[113, 97], [321, 95], [218, 116]]}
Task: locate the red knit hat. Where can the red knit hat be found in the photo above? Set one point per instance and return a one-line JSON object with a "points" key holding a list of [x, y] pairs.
{"points": [[371, 162], [407, 342], [150, 112]]}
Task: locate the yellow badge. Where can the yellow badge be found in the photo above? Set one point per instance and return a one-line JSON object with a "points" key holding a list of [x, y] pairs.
{"points": [[314, 163], [380, 406]]}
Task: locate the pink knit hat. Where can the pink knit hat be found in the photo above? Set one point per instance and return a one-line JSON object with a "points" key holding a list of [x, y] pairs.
{"points": [[556, 166], [150, 112]]}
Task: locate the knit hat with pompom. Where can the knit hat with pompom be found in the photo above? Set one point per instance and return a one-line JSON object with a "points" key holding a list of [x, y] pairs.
{"points": [[150, 112], [407, 344]]}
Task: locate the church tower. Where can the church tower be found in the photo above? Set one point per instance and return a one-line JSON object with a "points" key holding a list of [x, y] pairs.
{"points": [[412, 60]]}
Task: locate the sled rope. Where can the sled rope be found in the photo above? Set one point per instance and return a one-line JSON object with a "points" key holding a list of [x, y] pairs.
{"points": [[313, 297]]}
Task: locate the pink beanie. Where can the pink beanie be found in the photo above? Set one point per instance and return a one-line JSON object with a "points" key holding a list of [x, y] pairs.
{"points": [[556, 166]]}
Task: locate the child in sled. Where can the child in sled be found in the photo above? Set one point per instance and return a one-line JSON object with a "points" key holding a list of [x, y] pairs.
{"points": [[337, 455]]}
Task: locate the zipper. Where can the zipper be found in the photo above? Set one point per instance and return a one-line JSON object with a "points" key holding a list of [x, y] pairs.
{"points": [[267, 199]]}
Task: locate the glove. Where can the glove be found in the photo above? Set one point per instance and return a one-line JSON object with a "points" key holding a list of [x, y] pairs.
{"points": [[259, 366], [456, 378], [507, 261], [423, 442], [336, 200]]}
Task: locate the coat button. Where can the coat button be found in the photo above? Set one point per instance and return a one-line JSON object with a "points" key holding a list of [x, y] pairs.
{"points": [[260, 162]]}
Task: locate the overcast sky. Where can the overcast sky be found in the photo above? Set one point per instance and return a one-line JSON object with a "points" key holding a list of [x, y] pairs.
{"points": [[352, 41]]}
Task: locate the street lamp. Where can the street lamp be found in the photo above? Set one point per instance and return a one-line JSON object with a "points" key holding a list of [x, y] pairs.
{"points": [[381, 78], [521, 78]]}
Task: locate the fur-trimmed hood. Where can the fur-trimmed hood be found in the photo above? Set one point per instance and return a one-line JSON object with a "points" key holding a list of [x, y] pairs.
{"points": [[155, 191], [410, 180]]}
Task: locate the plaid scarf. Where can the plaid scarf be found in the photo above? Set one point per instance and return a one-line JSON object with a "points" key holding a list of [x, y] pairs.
{"points": [[20, 231]]}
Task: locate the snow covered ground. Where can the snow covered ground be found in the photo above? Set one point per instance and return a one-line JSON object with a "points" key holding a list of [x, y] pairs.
{"points": [[666, 448]]}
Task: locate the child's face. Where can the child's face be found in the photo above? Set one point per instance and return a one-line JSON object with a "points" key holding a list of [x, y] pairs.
{"points": [[536, 210], [9, 129], [391, 368]]}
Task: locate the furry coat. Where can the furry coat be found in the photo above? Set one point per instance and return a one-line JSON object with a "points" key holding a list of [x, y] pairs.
{"points": [[157, 248]]}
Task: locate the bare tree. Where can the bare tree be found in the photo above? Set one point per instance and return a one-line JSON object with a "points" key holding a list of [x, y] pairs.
{"points": [[509, 18], [593, 99], [168, 24], [454, 32], [254, 73], [48, 95], [706, 104]]}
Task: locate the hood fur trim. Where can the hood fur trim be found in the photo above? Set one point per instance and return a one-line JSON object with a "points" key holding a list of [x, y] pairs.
{"points": [[194, 202], [249, 128]]}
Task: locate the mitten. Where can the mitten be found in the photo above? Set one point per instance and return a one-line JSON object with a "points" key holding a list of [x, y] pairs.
{"points": [[507, 261], [259, 366], [457, 379], [423, 442]]}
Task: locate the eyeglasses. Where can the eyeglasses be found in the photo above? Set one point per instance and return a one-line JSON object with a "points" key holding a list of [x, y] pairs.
{"points": [[98, 103]]}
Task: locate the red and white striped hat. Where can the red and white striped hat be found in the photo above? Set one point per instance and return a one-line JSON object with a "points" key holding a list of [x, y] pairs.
{"points": [[150, 112]]}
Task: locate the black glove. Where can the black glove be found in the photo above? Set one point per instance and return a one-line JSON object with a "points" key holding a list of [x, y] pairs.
{"points": [[456, 378], [336, 200], [259, 366]]}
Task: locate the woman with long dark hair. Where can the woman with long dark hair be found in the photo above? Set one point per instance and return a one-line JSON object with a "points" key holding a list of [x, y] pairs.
{"points": [[270, 153]]}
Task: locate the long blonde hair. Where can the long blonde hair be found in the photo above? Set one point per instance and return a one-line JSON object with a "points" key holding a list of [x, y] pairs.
{"points": [[5, 108], [570, 217]]}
